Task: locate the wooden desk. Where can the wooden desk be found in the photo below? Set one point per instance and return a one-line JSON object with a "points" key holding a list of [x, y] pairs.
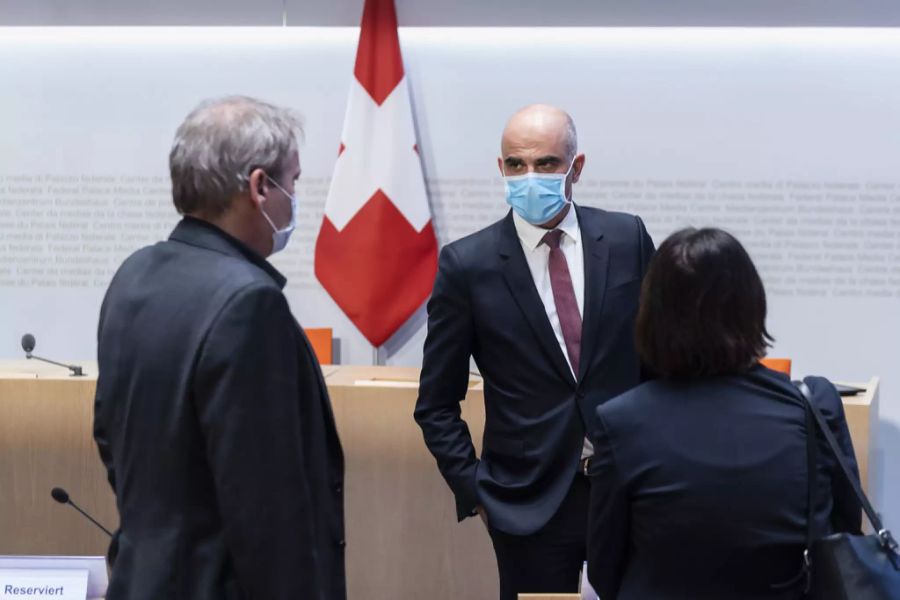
{"points": [[46, 441], [403, 539], [862, 420], [402, 536]]}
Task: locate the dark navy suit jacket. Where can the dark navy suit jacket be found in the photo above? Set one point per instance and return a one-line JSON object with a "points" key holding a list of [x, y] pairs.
{"points": [[699, 487], [214, 424], [485, 305]]}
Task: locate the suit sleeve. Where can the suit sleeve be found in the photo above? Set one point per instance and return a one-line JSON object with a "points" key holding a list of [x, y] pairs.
{"points": [[444, 382], [607, 516], [103, 445], [102, 439], [247, 399], [645, 243], [846, 513], [647, 250], [101, 436]]}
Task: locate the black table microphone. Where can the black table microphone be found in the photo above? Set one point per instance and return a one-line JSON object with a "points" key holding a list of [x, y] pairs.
{"points": [[28, 343], [62, 496]]}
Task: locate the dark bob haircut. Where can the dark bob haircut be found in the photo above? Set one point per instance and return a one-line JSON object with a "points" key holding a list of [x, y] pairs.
{"points": [[703, 307]]}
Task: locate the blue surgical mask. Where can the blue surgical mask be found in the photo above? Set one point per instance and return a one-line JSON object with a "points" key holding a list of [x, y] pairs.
{"points": [[537, 197], [280, 237]]}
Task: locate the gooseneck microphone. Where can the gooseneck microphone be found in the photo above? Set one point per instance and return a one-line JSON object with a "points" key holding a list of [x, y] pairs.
{"points": [[28, 343], [62, 496]]}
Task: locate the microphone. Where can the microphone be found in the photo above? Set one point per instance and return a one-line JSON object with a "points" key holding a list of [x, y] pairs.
{"points": [[62, 496], [28, 344]]}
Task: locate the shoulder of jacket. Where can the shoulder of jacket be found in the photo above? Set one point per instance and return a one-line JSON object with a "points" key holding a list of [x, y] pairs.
{"points": [[474, 245]]}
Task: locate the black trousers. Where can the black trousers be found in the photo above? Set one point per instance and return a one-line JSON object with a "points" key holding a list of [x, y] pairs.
{"points": [[550, 559]]}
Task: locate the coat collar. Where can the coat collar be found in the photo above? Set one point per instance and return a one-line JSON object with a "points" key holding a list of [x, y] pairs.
{"points": [[203, 234]]}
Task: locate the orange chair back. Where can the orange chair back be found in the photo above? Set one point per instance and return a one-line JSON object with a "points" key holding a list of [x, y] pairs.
{"points": [[320, 339], [778, 364]]}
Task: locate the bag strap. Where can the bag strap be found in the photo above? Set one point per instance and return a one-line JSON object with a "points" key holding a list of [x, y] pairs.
{"points": [[812, 461], [883, 534]]}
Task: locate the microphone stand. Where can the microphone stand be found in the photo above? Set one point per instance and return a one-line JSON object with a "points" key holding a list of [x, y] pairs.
{"points": [[76, 370]]}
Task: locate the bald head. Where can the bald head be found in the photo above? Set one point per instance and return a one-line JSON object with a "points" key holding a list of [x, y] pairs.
{"points": [[541, 139], [541, 125]]}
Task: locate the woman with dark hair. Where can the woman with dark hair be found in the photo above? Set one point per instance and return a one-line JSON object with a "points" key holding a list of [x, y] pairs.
{"points": [[699, 478]]}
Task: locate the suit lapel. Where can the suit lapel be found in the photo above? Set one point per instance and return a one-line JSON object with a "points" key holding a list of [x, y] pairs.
{"points": [[521, 285], [596, 266]]}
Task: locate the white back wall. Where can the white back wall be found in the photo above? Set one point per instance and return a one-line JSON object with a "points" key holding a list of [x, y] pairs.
{"points": [[790, 138]]}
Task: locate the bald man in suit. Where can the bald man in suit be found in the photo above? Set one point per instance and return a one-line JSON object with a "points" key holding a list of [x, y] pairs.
{"points": [[545, 301]]}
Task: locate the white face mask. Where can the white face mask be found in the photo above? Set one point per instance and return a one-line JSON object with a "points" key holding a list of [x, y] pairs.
{"points": [[280, 237]]}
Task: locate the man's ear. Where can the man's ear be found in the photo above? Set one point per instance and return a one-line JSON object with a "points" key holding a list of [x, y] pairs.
{"points": [[258, 186], [500, 165], [577, 166]]}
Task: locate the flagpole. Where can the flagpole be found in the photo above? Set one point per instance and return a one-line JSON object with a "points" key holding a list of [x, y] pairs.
{"points": [[376, 356]]}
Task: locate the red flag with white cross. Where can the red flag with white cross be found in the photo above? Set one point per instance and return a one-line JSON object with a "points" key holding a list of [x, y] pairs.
{"points": [[376, 253]]}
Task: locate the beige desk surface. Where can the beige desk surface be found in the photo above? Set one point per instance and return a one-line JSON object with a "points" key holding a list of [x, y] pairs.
{"points": [[329, 369], [398, 506], [862, 420]]}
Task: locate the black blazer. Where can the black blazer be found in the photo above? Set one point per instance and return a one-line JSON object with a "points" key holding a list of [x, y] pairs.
{"points": [[485, 305], [699, 488], [214, 424]]}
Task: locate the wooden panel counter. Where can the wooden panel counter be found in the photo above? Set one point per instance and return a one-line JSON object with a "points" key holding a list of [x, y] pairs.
{"points": [[402, 536]]}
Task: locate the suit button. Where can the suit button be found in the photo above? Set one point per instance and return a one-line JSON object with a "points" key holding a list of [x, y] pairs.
{"points": [[342, 543], [338, 489]]}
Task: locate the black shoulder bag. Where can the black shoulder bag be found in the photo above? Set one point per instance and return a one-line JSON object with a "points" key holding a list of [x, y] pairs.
{"points": [[843, 566]]}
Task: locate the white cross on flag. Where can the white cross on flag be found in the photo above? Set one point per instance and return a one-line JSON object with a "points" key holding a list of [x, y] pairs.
{"points": [[377, 253]]}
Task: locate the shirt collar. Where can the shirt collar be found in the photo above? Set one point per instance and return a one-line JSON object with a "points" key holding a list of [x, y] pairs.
{"points": [[531, 235]]}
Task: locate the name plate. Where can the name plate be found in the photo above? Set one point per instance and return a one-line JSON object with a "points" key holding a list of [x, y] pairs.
{"points": [[38, 584]]}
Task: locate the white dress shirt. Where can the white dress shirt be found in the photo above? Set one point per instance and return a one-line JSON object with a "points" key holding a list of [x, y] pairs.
{"points": [[538, 257]]}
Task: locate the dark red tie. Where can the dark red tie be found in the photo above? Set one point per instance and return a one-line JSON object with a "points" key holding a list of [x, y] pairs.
{"points": [[564, 297]]}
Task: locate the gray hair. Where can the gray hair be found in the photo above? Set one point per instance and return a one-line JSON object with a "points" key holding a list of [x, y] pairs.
{"points": [[220, 142]]}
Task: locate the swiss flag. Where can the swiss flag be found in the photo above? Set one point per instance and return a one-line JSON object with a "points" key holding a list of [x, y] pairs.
{"points": [[377, 253]]}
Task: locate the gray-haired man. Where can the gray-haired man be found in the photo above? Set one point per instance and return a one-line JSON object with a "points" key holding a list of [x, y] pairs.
{"points": [[211, 414]]}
